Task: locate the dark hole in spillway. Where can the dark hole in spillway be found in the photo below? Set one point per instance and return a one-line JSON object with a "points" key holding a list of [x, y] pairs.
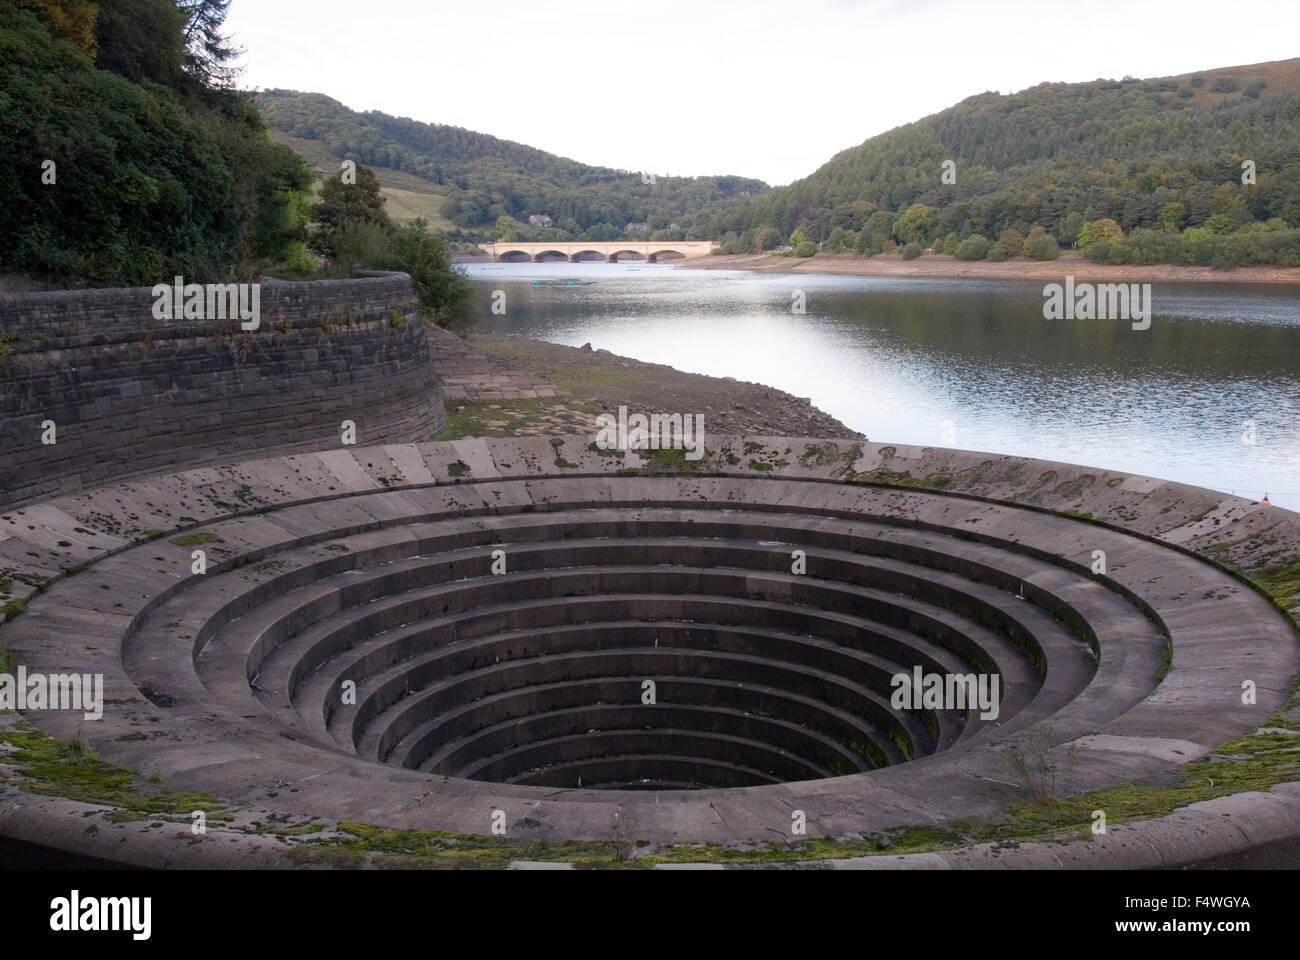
{"points": [[689, 647]]}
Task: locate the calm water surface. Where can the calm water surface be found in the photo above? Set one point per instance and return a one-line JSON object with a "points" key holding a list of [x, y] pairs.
{"points": [[964, 363]]}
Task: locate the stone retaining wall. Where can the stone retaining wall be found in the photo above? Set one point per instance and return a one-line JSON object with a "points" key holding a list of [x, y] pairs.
{"points": [[129, 394]]}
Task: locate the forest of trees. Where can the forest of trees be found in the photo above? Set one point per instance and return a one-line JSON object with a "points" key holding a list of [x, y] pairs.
{"points": [[129, 157], [487, 178], [126, 155], [1199, 169]]}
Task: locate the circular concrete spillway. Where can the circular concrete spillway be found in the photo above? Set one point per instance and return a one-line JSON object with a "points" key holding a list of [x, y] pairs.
{"points": [[424, 636], [658, 647]]}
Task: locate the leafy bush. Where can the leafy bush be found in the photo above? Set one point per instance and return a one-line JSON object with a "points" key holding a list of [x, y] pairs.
{"points": [[1225, 84], [839, 241], [1097, 230], [805, 249], [871, 242], [361, 243], [298, 259], [765, 238], [997, 252], [355, 205], [914, 225], [973, 247], [1012, 240], [912, 250], [1041, 245], [444, 293]]}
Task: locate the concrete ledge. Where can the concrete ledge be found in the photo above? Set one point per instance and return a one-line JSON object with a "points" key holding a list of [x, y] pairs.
{"points": [[260, 519]]}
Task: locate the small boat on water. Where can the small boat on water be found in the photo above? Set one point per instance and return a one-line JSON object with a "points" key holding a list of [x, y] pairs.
{"points": [[557, 282]]}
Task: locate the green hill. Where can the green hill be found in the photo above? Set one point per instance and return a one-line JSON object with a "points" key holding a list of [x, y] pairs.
{"points": [[1156, 156], [472, 179]]}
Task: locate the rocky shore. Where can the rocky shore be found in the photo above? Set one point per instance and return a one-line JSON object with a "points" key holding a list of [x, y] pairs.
{"points": [[508, 386]]}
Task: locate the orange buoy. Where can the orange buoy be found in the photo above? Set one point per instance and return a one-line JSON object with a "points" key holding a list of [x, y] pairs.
{"points": [[1265, 500]]}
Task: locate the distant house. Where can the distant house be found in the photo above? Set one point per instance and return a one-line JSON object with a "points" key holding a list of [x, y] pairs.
{"points": [[540, 220], [638, 226]]}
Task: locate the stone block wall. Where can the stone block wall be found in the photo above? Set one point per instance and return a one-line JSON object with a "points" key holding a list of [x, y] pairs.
{"points": [[129, 394]]}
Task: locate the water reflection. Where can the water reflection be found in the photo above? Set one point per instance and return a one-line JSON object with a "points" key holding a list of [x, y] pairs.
{"points": [[896, 357]]}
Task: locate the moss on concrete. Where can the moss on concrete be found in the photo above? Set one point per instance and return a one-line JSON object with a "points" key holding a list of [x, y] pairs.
{"points": [[71, 770], [1282, 583], [500, 418], [194, 539], [356, 844]]}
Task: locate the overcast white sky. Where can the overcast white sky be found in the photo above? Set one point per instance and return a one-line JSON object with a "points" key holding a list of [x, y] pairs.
{"points": [[752, 87]]}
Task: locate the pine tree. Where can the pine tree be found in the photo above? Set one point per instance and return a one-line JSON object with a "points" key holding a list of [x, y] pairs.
{"points": [[209, 50]]}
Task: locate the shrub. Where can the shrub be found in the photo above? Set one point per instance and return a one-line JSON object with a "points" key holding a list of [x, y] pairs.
{"points": [[997, 252], [973, 247], [1041, 768], [1225, 84], [299, 258], [1099, 252], [912, 250], [1094, 231], [1145, 246], [805, 249], [445, 293], [1219, 223], [1041, 245], [838, 241], [1012, 240], [870, 242]]}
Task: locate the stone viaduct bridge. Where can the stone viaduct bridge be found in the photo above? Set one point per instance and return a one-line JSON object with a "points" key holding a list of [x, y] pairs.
{"points": [[612, 252]]}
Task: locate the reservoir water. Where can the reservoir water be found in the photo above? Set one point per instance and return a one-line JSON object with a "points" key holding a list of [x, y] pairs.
{"points": [[1208, 395]]}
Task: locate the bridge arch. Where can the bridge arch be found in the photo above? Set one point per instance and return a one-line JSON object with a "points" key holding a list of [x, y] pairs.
{"points": [[545, 256], [626, 254], [587, 254], [667, 253]]}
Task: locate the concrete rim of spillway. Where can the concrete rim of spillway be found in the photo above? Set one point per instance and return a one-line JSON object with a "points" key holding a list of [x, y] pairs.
{"points": [[247, 515]]}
